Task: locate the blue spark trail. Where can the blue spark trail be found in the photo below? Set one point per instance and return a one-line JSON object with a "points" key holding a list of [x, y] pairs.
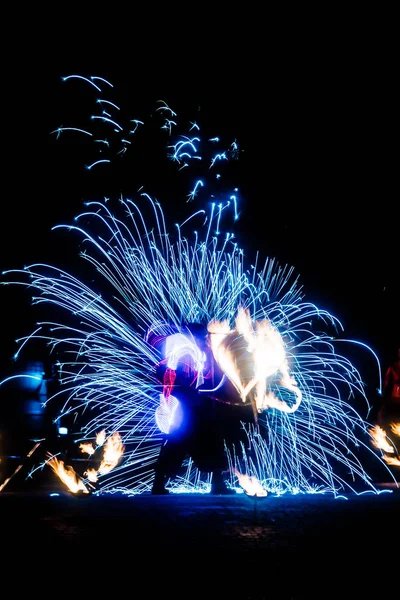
{"points": [[60, 129], [83, 79], [97, 162], [102, 101], [154, 278]]}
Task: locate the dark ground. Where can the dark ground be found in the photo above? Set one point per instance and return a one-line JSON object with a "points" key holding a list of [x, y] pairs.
{"points": [[189, 545], [200, 546]]}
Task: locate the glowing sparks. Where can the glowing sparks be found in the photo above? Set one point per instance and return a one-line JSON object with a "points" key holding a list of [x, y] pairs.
{"points": [[159, 280], [281, 353]]}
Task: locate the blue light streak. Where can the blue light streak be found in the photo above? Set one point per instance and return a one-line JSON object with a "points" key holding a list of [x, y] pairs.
{"points": [[155, 278], [60, 129], [106, 120], [102, 101], [101, 79], [137, 123], [83, 79], [166, 107], [160, 280], [97, 162], [193, 193]]}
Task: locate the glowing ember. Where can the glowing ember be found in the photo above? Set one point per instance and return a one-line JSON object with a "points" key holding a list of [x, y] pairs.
{"points": [[67, 475], [379, 439], [113, 450], [250, 484]]}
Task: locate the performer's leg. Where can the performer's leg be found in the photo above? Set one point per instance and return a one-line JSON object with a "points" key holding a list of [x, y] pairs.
{"points": [[169, 460]]}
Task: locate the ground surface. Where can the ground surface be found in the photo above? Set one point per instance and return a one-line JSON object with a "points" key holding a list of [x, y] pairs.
{"points": [[201, 546]]}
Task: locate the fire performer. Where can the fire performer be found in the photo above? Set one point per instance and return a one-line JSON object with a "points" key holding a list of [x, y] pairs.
{"points": [[197, 409]]}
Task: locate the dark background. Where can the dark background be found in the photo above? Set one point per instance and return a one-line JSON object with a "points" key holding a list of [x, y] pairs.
{"points": [[317, 173]]}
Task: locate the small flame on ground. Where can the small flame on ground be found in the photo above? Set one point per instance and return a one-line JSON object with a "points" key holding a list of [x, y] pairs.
{"points": [[113, 450], [250, 484], [67, 475]]}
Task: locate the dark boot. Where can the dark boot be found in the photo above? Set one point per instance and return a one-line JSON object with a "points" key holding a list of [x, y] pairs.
{"points": [[159, 485], [218, 485]]}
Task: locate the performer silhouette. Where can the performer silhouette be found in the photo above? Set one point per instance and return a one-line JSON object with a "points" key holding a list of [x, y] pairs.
{"points": [[197, 409]]}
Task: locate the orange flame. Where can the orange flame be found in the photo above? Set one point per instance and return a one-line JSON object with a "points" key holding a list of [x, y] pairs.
{"points": [[87, 448], [113, 450], [395, 427], [379, 439], [67, 475], [250, 484], [266, 349], [391, 460], [101, 438], [91, 474]]}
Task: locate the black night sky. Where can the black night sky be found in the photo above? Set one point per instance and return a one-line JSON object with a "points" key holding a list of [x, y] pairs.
{"points": [[317, 169]]}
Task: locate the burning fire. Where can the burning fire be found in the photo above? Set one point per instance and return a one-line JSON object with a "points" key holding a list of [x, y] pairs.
{"points": [[392, 460], [91, 474], [67, 475], [101, 438], [395, 427], [250, 484], [379, 439], [113, 450], [266, 351], [87, 448]]}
